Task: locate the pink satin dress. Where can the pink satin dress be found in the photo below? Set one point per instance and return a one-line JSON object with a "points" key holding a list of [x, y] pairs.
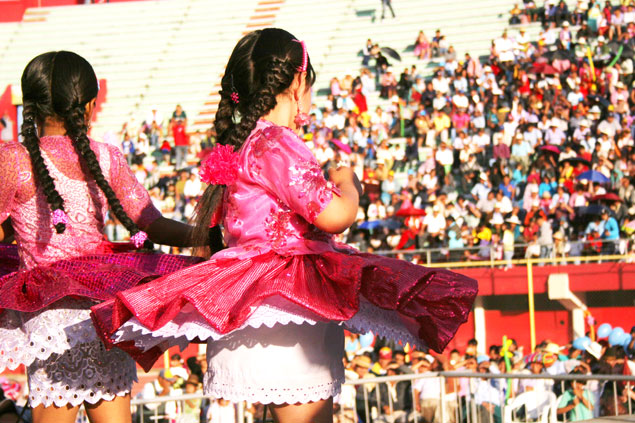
{"points": [[280, 271]]}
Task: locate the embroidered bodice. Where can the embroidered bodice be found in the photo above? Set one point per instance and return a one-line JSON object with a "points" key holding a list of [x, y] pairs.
{"points": [[278, 193], [84, 202]]}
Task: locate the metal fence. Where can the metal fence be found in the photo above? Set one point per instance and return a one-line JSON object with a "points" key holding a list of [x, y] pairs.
{"points": [[480, 254], [453, 405]]}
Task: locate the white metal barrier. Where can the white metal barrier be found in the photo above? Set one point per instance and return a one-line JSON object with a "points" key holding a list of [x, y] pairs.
{"points": [[456, 408]]}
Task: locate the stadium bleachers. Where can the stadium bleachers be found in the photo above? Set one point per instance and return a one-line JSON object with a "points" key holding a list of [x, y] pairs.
{"points": [[160, 53]]}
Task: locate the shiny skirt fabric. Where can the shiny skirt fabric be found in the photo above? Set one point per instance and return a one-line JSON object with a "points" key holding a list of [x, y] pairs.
{"points": [[362, 292], [44, 310]]}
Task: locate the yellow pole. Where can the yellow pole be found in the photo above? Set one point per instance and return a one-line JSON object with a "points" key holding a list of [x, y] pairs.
{"points": [[530, 294], [166, 363]]}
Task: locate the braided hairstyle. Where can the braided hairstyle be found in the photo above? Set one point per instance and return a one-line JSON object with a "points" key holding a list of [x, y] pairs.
{"points": [[263, 65], [59, 85]]}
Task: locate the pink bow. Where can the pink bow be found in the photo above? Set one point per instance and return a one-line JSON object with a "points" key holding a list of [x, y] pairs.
{"points": [[59, 216], [139, 238]]}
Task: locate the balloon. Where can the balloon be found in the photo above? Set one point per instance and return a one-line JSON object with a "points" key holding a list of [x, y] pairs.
{"points": [[604, 330], [615, 338], [618, 329], [626, 339], [581, 343], [366, 340]]}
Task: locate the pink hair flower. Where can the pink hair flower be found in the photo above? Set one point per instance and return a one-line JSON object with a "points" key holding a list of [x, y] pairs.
{"points": [[59, 217], [220, 167], [139, 238]]}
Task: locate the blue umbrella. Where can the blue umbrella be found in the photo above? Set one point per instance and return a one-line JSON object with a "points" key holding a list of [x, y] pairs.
{"points": [[369, 225], [594, 176], [391, 224], [384, 223]]}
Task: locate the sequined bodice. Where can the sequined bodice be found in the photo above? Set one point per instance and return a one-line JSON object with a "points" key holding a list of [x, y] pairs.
{"points": [[85, 204]]}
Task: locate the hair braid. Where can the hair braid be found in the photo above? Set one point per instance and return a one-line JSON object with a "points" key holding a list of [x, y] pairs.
{"points": [[224, 119], [76, 130], [262, 66], [43, 177]]}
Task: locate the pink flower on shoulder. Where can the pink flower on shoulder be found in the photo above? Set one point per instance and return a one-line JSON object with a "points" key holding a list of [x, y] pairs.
{"points": [[220, 167]]}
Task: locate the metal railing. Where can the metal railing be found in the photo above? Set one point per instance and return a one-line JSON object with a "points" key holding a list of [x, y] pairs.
{"points": [[445, 254], [453, 407]]}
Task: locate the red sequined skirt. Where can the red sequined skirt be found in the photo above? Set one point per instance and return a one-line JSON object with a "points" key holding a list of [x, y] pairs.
{"points": [[221, 295], [46, 310], [98, 277]]}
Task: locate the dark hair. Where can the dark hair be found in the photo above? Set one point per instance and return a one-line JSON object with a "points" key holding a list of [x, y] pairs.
{"points": [[59, 85], [263, 65]]}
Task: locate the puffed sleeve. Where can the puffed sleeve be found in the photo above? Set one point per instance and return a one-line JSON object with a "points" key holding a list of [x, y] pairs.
{"points": [[134, 198], [12, 165], [285, 167]]}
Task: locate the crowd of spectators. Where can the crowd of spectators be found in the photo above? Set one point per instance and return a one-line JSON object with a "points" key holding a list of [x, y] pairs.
{"points": [[367, 356], [527, 153], [483, 398]]}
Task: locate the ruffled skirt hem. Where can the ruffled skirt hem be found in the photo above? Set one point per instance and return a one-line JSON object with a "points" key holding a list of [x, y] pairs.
{"points": [[363, 291]]}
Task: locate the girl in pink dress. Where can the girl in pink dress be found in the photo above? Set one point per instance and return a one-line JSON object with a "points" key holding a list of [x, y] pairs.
{"points": [[56, 188], [273, 305]]}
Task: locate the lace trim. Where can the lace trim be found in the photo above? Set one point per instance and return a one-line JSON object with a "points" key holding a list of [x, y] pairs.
{"points": [[26, 337], [386, 323], [268, 395], [85, 373], [189, 325]]}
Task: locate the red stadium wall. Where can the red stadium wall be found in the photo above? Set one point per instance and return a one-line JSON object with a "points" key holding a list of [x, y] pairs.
{"points": [[6, 106], [582, 278], [505, 301], [13, 10]]}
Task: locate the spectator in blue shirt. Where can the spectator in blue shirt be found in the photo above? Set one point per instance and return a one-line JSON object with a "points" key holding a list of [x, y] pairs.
{"points": [[610, 232]]}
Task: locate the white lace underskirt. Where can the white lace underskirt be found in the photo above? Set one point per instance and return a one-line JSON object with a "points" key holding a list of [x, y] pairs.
{"points": [[274, 374], [283, 364], [189, 325], [26, 337], [84, 373], [66, 362]]}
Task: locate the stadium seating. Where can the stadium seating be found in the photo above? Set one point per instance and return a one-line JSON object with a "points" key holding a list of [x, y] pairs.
{"points": [[160, 53]]}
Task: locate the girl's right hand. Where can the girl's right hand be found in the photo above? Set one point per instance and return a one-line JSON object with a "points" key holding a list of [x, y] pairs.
{"points": [[345, 175]]}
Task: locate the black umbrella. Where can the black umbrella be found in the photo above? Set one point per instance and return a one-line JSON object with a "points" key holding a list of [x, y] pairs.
{"points": [[627, 49], [562, 55], [596, 209], [575, 160], [391, 52]]}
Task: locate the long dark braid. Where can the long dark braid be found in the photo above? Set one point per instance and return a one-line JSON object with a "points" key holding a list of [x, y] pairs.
{"points": [[262, 66], [76, 130], [41, 173], [60, 85], [37, 105]]}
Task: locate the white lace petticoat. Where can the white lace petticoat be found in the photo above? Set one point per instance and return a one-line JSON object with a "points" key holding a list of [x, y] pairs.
{"points": [[66, 362], [282, 354], [282, 364]]}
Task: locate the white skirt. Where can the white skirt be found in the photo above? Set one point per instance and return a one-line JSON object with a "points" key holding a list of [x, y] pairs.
{"points": [[67, 364], [281, 364], [283, 353]]}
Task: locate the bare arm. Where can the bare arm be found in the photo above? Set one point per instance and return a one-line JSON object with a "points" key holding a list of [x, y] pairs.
{"points": [[171, 232], [342, 210]]}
